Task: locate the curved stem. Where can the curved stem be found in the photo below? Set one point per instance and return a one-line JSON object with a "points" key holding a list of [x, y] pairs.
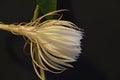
{"points": [[42, 74], [36, 12], [35, 16]]}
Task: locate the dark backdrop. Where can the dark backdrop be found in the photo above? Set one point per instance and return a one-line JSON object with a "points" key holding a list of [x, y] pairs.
{"points": [[100, 20]]}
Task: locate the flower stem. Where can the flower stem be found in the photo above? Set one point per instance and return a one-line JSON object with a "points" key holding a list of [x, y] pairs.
{"points": [[35, 16], [4, 27], [8, 28]]}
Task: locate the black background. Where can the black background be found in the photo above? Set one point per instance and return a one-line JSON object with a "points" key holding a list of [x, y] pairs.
{"points": [[100, 20]]}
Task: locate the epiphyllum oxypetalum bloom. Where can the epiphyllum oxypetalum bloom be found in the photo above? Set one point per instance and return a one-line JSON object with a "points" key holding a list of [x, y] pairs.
{"points": [[53, 43]]}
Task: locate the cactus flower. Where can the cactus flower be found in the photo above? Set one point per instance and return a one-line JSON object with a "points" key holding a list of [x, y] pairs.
{"points": [[53, 43]]}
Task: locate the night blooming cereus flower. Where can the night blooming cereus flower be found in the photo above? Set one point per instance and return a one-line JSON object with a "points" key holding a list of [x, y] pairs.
{"points": [[53, 43]]}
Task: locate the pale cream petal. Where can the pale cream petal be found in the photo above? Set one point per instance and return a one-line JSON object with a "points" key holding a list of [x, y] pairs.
{"points": [[66, 51], [56, 53], [66, 45], [56, 59], [45, 60]]}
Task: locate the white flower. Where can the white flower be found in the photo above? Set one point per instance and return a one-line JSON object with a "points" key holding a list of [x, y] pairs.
{"points": [[57, 42], [53, 43]]}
